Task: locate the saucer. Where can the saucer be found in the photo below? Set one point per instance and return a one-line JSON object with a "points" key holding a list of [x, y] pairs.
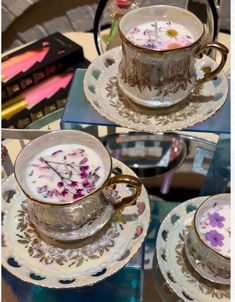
{"points": [[102, 91], [173, 263], [36, 261]]}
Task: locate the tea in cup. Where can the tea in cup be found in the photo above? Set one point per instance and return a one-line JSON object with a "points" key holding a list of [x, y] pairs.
{"points": [[66, 177], [207, 245], [159, 47]]}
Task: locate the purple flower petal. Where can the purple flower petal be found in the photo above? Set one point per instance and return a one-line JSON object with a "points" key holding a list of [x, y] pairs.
{"points": [[135, 30], [84, 172], [215, 238], [64, 193], [51, 193], [42, 189], [56, 152], [83, 161], [215, 220], [149, 45], [84, 168], [86, 183], [73, 184], [60, 184], [84, 175], [57, 193], [148, 32], [78, 194]]}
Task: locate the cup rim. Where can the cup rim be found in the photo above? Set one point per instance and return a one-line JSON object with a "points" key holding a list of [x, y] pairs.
{"points": [[196, 229], [68, 203], [131, 43]]}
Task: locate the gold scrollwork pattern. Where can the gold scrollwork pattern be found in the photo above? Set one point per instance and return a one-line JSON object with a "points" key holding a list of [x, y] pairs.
{"points": [[48, 254], [206, 287], [126, 109], [163, 78]]}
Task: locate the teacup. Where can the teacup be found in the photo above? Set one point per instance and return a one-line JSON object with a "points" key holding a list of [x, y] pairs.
{"points": [[154, 77], [207, 245], [57, 206]]}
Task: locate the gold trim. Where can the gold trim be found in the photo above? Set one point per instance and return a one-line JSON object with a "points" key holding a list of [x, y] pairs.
{"points": [[130, 43], [126, 179], [72, 202], [72, 244], [197, 233], [211, 75]]}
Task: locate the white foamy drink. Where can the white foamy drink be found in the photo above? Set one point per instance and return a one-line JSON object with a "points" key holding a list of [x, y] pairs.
{"points": [[215, 228], [64, 173], [160, 35]]}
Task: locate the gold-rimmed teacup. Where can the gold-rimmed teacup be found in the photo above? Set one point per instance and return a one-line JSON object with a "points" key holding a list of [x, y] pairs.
{"points": [[161, 78], [74, 219], [207, 244]]}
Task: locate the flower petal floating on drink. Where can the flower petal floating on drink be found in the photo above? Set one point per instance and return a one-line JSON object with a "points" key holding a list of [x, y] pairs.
{"points": [[64, 172], [214, 228], [160, 35], [215, 238]]}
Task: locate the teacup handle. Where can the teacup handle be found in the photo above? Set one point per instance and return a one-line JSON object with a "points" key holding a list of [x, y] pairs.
{"points": [[210, 75], [125, 179]]}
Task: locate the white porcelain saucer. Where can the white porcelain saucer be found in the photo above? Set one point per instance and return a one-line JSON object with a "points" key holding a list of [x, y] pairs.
{"points": [[102, 91], [173, 263], [33, 260]]}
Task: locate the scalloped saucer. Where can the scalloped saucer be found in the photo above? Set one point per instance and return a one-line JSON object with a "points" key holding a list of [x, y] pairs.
{"points": [[27, 256], [102, 91], [173, 262]]}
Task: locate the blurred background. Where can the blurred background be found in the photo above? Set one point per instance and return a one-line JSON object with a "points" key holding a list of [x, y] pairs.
{"points": [[27, 20]]}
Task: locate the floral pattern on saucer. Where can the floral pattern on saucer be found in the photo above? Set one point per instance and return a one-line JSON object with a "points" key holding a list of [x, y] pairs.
{"points": [[48, 254]]}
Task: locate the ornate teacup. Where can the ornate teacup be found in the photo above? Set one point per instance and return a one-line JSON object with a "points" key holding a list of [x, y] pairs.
{"points": [[161, 78], [207, 245], [74, 219]]}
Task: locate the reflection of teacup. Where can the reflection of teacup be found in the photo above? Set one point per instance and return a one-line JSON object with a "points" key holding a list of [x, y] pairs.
{"points": [[66, 176], [155, 77], [207, 245]]}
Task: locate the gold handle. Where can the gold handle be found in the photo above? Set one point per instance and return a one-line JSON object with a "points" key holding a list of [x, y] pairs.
{"points": [[125, 179], [210, 75]]}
